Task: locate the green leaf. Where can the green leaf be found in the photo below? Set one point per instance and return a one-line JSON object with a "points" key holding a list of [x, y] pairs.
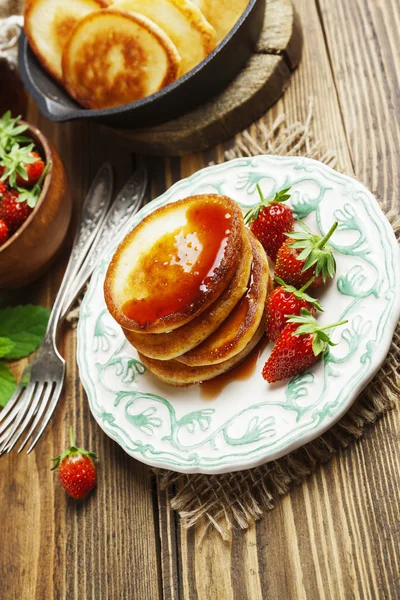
{"points": [[8, 384], [25, 326], [6, 345], [318, 346], [10, 131]]}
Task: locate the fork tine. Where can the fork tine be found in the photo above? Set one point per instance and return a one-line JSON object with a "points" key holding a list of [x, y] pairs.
{"points": [[12, 401], [16, 407], [33, 406], [38, 416], [47, 416], [24, 403]]}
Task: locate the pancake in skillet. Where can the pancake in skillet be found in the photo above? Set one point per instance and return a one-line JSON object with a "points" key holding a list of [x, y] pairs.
{"points": [[48, 25], [222, 14], [164, 346], [178, 374], [239, 328], [183, 22], [113, 58], [175, 263]]}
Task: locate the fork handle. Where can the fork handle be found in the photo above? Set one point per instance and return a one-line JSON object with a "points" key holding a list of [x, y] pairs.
{"points": [[127, 203], [92, 217]]}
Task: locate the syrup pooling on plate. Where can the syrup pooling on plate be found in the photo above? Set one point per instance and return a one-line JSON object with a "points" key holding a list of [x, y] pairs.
{"points": [[180, 266]]}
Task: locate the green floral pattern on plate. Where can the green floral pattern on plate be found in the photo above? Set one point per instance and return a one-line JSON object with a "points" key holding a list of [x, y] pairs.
{"points": [[251, 422]]}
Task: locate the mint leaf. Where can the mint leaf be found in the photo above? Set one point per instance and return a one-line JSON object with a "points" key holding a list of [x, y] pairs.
{"points": [[25, 326], [7, 384], [6, 346]]}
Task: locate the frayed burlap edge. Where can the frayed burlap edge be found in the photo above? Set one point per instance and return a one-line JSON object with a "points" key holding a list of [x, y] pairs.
{"points": [[238, 499]]}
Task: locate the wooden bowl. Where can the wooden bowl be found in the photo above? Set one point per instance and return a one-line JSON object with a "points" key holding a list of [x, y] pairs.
{"points": [[30, 250]]}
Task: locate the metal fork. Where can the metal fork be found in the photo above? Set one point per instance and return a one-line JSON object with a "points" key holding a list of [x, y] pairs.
{"points": [[127, 203], [43, 379]]}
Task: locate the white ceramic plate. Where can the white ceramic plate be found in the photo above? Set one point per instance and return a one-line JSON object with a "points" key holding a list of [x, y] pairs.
{"points": [[250, 421]]}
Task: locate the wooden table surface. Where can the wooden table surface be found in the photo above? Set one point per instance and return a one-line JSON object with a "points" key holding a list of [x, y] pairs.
{"points": [[335, 537]]}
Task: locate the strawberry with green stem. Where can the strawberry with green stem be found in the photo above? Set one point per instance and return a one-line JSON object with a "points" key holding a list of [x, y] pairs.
{"points": [[300, 345], [287, 300], [17, 204], [270, 220], [308, 255], [22, 165], [76, 469]]}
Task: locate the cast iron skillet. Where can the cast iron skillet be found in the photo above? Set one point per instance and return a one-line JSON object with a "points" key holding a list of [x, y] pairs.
{"points": [[194, 88]]}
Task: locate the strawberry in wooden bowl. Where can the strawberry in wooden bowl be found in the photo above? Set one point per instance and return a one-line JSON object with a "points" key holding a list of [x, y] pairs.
{"points": [[35, 204]]}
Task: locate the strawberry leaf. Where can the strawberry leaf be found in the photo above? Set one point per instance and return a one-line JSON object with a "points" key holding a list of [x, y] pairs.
{"points": [[315, 250], [318, 346], [8, 384], [300, 294], [14, 161], [10, 131], [253, 213]]}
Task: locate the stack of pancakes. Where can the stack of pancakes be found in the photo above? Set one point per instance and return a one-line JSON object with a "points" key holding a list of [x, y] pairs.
{"points": [[188, 287]]}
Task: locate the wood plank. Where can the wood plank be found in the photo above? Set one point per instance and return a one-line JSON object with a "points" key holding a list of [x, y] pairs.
{"points": [[105, 547], [366, 66]]}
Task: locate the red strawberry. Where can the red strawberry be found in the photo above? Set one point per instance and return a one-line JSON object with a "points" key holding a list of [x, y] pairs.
{"points": [[12, 211], [76, 469], [309, 255], [270, 220], [22, 166], [297, 348], [4, 233], [3, 188], [33, 170], [287, 300]]}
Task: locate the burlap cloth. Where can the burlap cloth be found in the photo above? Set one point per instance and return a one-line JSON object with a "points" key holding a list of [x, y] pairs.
{"points": [[223, 501], [238, 499]]}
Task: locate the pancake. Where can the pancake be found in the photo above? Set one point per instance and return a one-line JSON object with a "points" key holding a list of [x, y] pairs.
{"points": [[183, 22], [175, 263], [164, 346], [178, 374], [238, 329], [48, 25], [113, 58], [222, 14]]}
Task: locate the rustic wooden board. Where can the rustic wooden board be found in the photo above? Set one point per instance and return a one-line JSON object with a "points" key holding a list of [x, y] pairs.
{"points": [[248, 96], [337, 536]]}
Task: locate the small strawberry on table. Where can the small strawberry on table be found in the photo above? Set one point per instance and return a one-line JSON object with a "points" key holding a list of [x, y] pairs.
{"points": [[76, 469], [305, 255], [287, 300], [270, 220], [299, 346]]}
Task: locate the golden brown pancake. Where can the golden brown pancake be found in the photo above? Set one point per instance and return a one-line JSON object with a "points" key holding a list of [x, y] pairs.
{"points": [[113, 58], [48, 25], [175, 263], [164, 346], [178, 374], [222, 14], [183, 22], [238, 329]]}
